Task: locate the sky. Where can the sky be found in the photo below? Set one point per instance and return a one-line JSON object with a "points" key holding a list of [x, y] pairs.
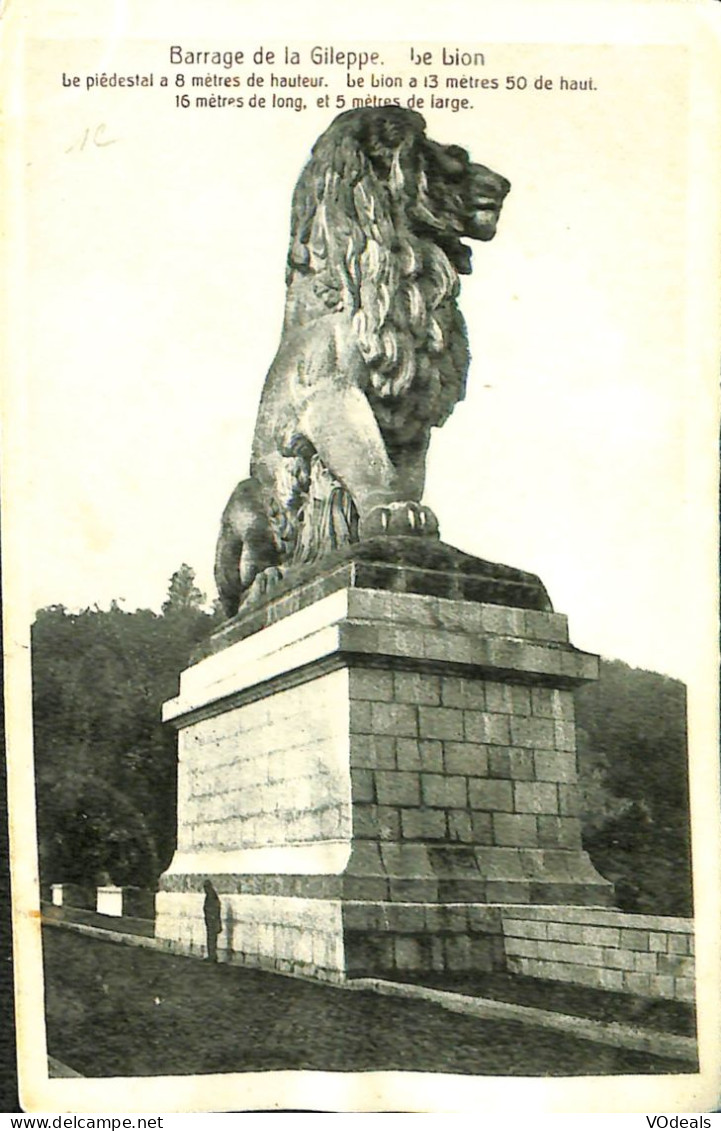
{"points": [[154, 242]]}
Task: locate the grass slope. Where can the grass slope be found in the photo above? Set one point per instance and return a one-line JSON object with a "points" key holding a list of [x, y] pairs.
{"points": [[116, 1011]]}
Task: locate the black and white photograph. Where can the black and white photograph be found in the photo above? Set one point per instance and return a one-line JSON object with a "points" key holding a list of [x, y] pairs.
{"points": [[360, 556]]}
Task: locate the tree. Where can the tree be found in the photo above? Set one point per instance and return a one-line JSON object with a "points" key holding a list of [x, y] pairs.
{"points": [[106, 766], [633, 768], [184, 597]]}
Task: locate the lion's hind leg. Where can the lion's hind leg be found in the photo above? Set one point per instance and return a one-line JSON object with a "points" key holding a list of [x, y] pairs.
{"points": [[245, 545]]}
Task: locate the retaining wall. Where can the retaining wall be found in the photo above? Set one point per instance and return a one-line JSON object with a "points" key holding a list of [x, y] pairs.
{"points": [[648, 955]]}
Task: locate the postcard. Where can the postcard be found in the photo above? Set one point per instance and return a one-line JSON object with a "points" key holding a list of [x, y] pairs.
{"points": [[360, 555]]}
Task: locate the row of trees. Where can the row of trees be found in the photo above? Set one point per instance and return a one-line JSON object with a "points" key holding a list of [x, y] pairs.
{"points": [[106, 765]]}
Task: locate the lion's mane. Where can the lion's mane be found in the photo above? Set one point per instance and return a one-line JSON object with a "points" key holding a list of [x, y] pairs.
{"points": [[363, 220]]}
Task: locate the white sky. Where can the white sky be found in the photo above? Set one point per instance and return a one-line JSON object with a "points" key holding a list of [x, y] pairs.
{"points": [[154, 297]]}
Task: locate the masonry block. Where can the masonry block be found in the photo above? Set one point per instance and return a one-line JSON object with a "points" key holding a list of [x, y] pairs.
{"points": [[684, 989], [460, 826], [377, 822], [424, 824], [645, 962], [610, 980], [445, 791], [372, 752], [679, 944], [564, 736], [559, 832], [414, 687], [481, 726], [482, 825], [515, 830], [465, 758], [569, 801], [360, 717], [533, 732], [370, 683], [546, 626], [398, 787], [520, 700], [460, 692], [637, 983], [635, 940], [362, 785], [440, 722], [601, 936], [535, 797], [408, 954], [499, 698], [658, 942], [662, 986], [492, 795], [542, 702], [458, 953], [394, 718], [414, 890], [555, 766]]}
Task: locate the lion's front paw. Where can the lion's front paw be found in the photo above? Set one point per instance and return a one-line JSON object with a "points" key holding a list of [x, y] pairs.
{"points": [[262, 586], [399, 518]]}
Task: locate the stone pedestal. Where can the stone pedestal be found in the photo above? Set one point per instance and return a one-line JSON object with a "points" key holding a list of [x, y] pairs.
{"points": [[370, 776]]}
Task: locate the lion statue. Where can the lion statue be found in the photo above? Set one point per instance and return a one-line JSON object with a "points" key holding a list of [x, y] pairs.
{"points": [[373, 352]]}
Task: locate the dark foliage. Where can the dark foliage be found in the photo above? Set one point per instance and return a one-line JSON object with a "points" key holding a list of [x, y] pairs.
{"points": [[105, 764], [634, 774]]}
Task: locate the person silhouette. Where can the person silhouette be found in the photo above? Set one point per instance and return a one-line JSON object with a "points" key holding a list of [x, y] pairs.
{"points": [[211, 913]]}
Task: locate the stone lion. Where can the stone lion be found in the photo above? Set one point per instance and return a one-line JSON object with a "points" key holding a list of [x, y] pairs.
{"points": [[373, 352]]}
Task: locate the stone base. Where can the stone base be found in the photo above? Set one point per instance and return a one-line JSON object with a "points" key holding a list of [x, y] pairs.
{"points": [[644, 955], [369, 754], [287, 934], [336, 939]]}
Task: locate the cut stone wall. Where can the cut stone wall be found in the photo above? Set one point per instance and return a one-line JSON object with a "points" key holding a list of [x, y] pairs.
{"points": [[469, 784], [648, 955], [273, 772]]}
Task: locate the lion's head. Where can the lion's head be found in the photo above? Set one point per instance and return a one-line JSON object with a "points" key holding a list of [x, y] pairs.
{"points": [[379, 215]]}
